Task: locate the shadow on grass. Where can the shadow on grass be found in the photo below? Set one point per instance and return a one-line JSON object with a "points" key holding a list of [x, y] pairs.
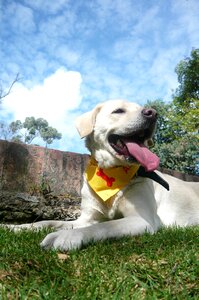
{"points": [[162, 241]]}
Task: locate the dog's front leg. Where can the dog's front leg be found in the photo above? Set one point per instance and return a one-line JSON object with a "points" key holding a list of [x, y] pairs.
{"points": [[74, 239], [84, 220]]}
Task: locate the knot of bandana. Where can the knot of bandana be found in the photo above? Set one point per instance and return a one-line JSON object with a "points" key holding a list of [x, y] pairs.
{"points": [[107, 182]]}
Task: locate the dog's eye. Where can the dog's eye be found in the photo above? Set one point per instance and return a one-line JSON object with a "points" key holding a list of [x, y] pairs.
{"points": [[118, 111]]}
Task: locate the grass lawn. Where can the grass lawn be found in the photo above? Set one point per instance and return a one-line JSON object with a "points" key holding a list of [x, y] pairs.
{"points": [[160, 266]]}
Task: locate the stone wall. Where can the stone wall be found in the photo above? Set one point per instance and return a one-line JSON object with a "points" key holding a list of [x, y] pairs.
{"points": [[182, 176], [38, 183]]}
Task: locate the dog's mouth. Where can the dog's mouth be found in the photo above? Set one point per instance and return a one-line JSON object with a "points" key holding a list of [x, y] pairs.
{"points": [[132, 148]]}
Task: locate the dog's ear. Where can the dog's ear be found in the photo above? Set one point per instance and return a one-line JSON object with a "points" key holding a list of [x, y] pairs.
{"points": [[86, 122]]}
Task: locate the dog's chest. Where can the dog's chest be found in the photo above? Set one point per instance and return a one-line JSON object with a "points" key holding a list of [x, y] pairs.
{"points": [[113, 207], [119, 206]]}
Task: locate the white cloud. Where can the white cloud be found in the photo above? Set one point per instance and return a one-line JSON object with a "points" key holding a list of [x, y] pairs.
{"points": [[186, 15], [65, 54], [21, 16], [127, 49], [46, 5], [148, 23], [53, 100], [118, 14]]}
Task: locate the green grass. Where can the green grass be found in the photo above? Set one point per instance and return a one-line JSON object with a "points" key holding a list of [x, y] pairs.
{"points": [[160, 266]]}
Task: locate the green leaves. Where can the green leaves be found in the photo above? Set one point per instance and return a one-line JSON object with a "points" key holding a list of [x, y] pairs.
{"points": [[180, 155], [177, 139], [188, 76], [30, 129], [186, 97], [48, 134]]}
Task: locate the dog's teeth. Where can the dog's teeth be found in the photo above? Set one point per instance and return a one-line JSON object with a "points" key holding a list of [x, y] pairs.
{"points": [[119, 144], [130, 159]]}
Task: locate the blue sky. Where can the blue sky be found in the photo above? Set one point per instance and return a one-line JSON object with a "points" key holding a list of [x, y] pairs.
{"points": [[72, 54]]}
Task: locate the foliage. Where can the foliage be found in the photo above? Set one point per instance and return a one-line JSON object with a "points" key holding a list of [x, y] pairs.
{"points": [[180, 155], [30, 129], [176, 139], [188, 77], [186, 97], [164, 132], [176, 147]]}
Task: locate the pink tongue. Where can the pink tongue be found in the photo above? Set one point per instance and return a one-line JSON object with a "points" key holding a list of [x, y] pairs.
{"points": [[144, 156]]}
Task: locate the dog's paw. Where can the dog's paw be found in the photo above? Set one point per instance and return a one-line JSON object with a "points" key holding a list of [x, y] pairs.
{"points": [[64, 240]]}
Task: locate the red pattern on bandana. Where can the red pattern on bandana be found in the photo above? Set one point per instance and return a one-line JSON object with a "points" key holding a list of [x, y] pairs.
{"points": [[109, 180], [126, 169]]}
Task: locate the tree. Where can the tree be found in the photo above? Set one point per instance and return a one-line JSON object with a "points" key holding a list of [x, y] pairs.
{"points": [[188, 77], [30, 129], [27, 131], [178, 150], [10, 132], [177, 140], [164, 134], [186, 97]]}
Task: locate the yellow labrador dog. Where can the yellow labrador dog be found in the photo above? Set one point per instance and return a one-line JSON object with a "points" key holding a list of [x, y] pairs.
{"points": [[121, 194]]}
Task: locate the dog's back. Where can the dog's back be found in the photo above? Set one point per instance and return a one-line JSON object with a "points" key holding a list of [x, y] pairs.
{"points": [[180, 205]]}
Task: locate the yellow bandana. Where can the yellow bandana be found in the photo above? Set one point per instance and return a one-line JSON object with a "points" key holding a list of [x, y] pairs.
{"points": [[107, 182]]}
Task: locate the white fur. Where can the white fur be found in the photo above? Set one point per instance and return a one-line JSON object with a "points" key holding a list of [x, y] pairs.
{"points": [[143, 205]]}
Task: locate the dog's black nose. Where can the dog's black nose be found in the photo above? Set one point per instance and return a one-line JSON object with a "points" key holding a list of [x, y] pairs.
{"points": [[149, 113]]}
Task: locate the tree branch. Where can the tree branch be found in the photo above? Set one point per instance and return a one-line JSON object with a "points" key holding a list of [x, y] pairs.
{"points": [[2, 94]]}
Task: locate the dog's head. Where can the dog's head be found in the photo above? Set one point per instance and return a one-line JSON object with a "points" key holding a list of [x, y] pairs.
{"points": [[118, 133]]}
